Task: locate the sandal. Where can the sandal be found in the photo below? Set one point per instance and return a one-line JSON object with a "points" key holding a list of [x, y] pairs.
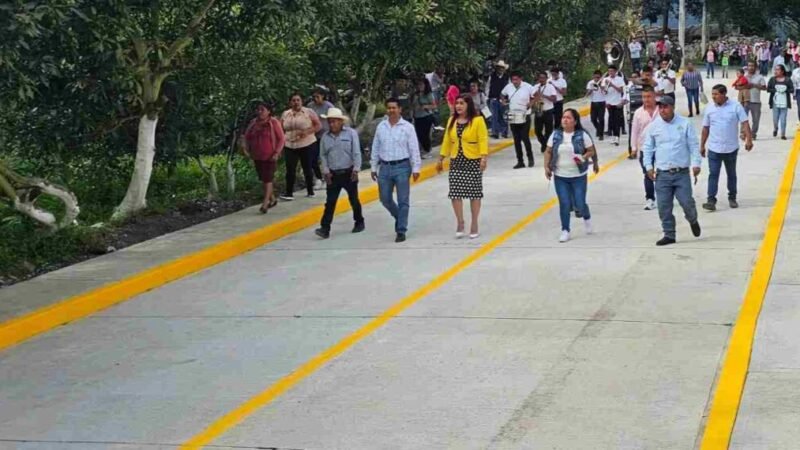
{"points": [[273, 204], [262, 210]]}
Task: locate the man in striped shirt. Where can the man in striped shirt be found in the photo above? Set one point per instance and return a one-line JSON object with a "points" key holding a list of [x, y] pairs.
{"points": [[692, 81]]}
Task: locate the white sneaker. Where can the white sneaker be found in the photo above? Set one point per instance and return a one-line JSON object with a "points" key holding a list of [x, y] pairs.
{"points": [[287, 198], [427, 155], [587, 223], [651, 205], [319, 184], [564, 236]]}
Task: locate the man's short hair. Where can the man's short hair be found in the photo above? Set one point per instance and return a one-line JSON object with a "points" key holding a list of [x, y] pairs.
{"points": [[597, 72], [515, 73], [648, 88], [612, 66], [721, 88], [664, 60], [647, 69], [394, 100]]}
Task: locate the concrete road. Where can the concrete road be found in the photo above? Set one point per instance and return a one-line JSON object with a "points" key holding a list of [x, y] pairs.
{"points": [[605, 342]]}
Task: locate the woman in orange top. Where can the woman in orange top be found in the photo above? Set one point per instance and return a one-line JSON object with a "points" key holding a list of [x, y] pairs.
{"points": [[466, 143], [301, 125]]}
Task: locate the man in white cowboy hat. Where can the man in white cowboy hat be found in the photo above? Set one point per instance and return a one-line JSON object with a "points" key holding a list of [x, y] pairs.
{"points": [[340, 154], [497, 81]]}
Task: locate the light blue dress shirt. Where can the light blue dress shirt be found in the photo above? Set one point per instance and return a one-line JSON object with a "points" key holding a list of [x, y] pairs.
{"points": [[723, 123], [674, 144], [395, 142]]}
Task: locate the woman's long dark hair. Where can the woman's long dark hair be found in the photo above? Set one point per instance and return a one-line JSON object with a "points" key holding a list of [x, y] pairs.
{"points": [[427, 90], [472, 112], [783, 69], [576, 117]]}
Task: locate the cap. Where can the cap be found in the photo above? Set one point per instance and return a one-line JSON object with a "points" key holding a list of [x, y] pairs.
{"points": [[666, 100]]}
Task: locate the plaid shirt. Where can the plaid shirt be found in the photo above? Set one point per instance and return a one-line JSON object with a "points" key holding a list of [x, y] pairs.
{"points": [[692, 80]]}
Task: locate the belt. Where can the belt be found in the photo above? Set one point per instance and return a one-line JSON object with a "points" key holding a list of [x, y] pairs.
{"points": [[342, 171], [674, 170], [395, 162]]}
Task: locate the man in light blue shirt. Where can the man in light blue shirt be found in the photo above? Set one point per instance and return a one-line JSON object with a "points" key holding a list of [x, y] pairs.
{"points": [[720, 139], [395, 159], [673, 142]]}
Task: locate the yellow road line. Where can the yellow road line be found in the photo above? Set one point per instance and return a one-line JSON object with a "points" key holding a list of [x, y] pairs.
{"points": [[19, 329], [730, 387], [274, 391]]}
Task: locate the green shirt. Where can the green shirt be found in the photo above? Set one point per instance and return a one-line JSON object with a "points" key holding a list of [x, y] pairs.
{"points": [[725, 60]]}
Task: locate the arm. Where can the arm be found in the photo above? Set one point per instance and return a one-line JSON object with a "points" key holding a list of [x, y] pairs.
{"points": [[323, 156], [444, 151], [636, 133], [356, 153], [316, 125], [374, 156], [649, 150], [548, 155], [483, 137], [280, 141], [694, 148], [703, 139], [413, 151]]}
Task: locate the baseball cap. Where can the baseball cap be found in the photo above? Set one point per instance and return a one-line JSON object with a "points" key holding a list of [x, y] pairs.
{"points": [[666, 100]]}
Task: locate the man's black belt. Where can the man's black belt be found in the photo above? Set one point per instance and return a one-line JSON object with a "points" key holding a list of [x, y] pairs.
{"points": [[395, 162], [342, 171], [674, 170]]}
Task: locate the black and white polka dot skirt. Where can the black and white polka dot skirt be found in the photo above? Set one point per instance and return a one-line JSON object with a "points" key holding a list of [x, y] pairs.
{"points": [[466, 178]]}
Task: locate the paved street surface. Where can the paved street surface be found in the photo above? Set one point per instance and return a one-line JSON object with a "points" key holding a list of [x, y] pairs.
{"points": [[605, 342]]}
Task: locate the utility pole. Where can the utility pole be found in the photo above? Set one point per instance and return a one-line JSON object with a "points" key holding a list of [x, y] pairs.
{"points": [[682, 29], [704, 33]]}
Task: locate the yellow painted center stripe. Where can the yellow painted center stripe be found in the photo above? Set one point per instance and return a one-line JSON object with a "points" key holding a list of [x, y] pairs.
{"points": [[730, 387], [274, 391]]}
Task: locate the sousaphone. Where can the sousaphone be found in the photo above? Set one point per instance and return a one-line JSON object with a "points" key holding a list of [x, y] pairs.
{"points": [[615, 53]]}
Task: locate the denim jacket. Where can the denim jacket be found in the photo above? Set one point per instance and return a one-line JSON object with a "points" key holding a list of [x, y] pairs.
{"points": [[577, 143]]}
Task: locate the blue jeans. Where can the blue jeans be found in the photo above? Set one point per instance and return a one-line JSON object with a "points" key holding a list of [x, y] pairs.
{"points": [[671, 186], [763, 67], [499, 125], [715, 162], [779, 119], [391, 177], [709, 70], [571, 190], [694, 98]]}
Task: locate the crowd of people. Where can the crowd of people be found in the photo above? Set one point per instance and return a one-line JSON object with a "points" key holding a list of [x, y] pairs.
{"points": [[317, 136]]}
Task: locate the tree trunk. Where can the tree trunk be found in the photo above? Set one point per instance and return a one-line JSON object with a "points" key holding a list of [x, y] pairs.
{"points": [[22, 192], [136, 197], [213, 186], [354, 108], [667, 7], [230, 173], [368, 117]]}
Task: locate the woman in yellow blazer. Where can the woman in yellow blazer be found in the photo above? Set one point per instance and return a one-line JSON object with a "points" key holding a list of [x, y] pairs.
{"points": [[466, 143]]}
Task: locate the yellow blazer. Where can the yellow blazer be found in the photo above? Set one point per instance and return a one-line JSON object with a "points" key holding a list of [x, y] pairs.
{"points": [[474, 140]]}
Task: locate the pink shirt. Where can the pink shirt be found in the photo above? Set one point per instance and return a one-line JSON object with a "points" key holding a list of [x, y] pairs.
{"points": [[641, 119], [710, 56]]}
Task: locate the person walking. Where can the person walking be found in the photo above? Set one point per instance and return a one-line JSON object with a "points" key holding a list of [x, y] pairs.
{"points": [[666, 80], [692, 81], [796, 84], [395, 159], [264, 139], [466, 143], [320, 105], [497, 81], [720, 142], [755, 84], [671, 150], [615, 88], [569, 152], [560, 84], [725, 61], [478, 97], [642, 118], [340, 154], [597, 94], [301, 125], [710, 60], [544, 99], [423, 106], [517, 95], [635, 49], [780, 90]]}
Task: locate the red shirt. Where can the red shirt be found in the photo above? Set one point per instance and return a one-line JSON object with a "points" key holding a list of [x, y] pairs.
{"points": [[264, 139]]}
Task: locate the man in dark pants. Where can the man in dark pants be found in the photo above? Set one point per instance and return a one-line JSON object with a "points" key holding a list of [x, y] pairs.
{"points": [[671, 151], [497, 81], [544, 100], [597, 93], [340, 154], [560, 84], [517, 96], [615, 88], [720, 140]]}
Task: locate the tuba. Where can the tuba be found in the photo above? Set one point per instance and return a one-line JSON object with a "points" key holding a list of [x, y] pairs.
{"points": [[615, 53]]}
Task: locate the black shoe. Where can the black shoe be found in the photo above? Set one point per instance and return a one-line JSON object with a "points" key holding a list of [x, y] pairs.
{"points": [[774, 133], [359, 227], [520, 165], [600, 137], [710, 205], [495, 136], [695, 229], [665, 241], [622, 132], [531, 162], [733, 203], [323, 233], [692, 115], [505, 136], [783, 138], [401, 237]]}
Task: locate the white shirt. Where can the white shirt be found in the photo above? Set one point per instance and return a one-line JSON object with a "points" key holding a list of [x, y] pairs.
{"points": [[598, 96], [549, 91], [636, 49], [560, 83], [796, 78], [664, 84], [565, 165], [518, 98], [614, 97]]}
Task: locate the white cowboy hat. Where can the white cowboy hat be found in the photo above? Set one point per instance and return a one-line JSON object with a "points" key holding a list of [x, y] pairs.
{"points": [[334, 113], [501, 63]]}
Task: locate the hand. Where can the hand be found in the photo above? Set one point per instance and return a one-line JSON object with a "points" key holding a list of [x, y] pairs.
{"points": [[440, 166], [635, 153], [354, 176], [703, 151], [748, 144], [415, 176], [276, 156], [651, 174], [548, 173], [695, 171], [596, 168], [328, 178], [483, 164], [374, 176]]}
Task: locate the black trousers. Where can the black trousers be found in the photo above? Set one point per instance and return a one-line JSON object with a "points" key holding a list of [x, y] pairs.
{"points": [[616, 119], [598, 115], [543, 125], [558, 112], [522, 135], [342, 179], [304, 156], [423, 125]]}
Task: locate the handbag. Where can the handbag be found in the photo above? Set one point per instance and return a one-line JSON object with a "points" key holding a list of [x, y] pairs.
{"points": [[487, 113], [703, 98]]}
